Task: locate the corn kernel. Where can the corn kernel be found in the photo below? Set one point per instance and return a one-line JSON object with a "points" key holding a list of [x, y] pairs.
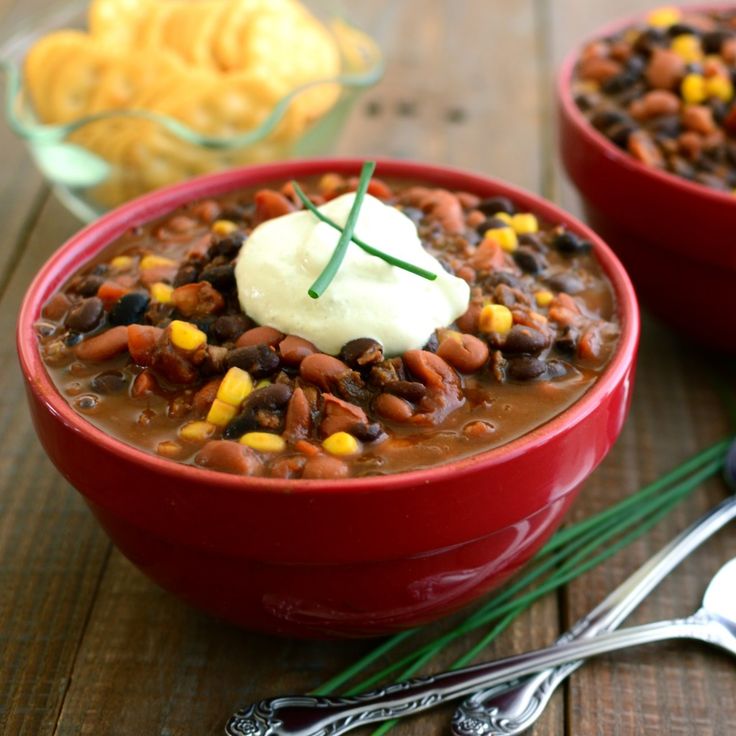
{"points": [[503, 216], [543, 297], [120, 263], [495, 318], [505, 237], [197, 431], [236, 385], [262, 383], [720, 87], [687, 47], [263, 441], [664, 17], [161, 292], [693, 89], [186, 336], [167, 448], [221, 413], [341, 443], [223, 227], [524, 223], [154, 261]]}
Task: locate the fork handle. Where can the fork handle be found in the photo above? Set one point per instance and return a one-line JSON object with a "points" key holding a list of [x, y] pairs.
{"points": [[511, 708], [321, 716]]}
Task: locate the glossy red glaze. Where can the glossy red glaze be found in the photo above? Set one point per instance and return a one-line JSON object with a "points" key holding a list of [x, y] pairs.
{"points": [[328, 558], [674, 237]]}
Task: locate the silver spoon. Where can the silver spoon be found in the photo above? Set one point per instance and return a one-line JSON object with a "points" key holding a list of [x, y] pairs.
{"points": [[714, 623], [511, 708]]}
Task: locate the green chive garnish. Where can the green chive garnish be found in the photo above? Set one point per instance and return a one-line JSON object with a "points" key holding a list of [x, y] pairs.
{"points": [[325, 278], [347, 234]]}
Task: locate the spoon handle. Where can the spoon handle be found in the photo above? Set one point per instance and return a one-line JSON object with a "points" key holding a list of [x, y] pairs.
{"points": [[511, 708], [321, 716]]}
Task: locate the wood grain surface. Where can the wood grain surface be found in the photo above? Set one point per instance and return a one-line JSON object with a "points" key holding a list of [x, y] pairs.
{"points": [[90, 646]]}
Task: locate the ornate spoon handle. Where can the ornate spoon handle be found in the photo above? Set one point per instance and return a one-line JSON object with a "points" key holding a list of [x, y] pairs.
{"points": [[511, 708], [312, 716]]}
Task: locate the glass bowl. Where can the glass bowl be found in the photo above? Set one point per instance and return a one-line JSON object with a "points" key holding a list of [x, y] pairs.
{"points": [[99, 161]]}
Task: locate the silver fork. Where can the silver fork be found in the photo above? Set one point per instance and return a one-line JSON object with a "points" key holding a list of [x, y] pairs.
{"points": [[511, 708]]}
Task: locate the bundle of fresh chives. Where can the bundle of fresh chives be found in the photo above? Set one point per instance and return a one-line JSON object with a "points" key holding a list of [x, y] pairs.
{"points": [[571, 552]]}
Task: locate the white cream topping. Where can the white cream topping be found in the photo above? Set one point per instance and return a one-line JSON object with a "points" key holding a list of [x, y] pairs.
{"points": [[368, 297]]}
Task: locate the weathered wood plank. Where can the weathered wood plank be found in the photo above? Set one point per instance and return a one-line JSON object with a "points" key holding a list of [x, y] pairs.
{"points": [[51, 551]]}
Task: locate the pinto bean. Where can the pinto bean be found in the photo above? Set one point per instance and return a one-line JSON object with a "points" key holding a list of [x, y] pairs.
{"points": [[260, 336], [103, 346], [56, 307], [340, 416], [431, 370], [298, 416], [323, 370], [270, 204], [665, 68], [229, 457], [145, 383], [469, 321], [467, 354], [324, 467], [294, 349], [197, 300], [203, 398], [142, 341], [393, 408]]}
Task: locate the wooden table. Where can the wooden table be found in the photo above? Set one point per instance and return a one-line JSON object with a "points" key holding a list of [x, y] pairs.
{"points": [[90, 646]]}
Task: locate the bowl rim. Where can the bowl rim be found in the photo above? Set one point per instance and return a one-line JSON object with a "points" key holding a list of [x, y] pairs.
{"points": [[595, 137], [99, 234]]}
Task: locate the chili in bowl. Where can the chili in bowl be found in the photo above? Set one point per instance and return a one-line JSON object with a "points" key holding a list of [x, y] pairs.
{"points": [[301, 465], [648, 137]]}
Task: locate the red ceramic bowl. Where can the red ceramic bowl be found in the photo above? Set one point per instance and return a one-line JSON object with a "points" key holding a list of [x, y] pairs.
{"points": [[352, 557], [676, 238]]}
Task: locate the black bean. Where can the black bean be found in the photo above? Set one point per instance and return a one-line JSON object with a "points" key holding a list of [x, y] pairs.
{"points": [[567, 282], [525, 368], [229, 327], [221, 277], [362, 351], [713, 40], [570, 244], [108, 382], [188, 273], [533, 240], [556, 369], [527, 259], [491, 223], [73, 338], [158, 314], [259, 360], [501, 277], [229, 246], [100, 269], [86, 315], [677, 29], [271, 399], [567, 342], [620, 134], [523, 339], [493, 205], [650, 39], [410, 390], [620, 82], [432, 344], [366, 432], [667, 125], [235, 213], [205, 323], [586, 101], [90, 285], [129, 309], [604, 119]]}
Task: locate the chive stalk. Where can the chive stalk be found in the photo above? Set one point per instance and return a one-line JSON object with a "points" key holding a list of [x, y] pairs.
{"points": [[387, 257], [336, 259]]}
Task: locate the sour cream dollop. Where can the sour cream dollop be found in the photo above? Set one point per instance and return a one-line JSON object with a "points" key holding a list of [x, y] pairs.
{"points": [[368, 297]]}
